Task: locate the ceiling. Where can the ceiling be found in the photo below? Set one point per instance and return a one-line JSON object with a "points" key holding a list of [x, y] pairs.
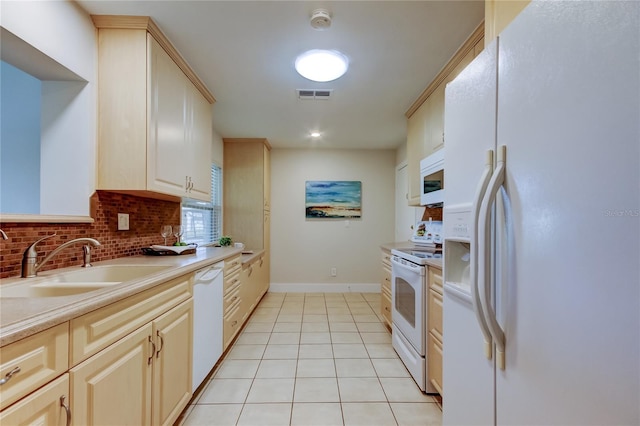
{"points": [[244, 52]]}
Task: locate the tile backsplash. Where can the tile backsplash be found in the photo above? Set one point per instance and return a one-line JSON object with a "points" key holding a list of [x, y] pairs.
{"points": [[146, 215]]}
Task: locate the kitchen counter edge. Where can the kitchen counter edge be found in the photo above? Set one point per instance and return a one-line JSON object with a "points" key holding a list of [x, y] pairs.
{"points": [[23, 317]]}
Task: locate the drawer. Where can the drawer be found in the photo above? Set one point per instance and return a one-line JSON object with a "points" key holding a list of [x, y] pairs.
{"points": [[231, 325], [96, 330], [41, 407], [434, 362], [435, 313], [434, 277], [39, 358], [232, 265], [231, 281], [386, 281], [385, 307], [231, 298], [386, 260]]}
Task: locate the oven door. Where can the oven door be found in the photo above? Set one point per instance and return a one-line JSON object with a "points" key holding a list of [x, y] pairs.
{"points": [[408, 299]]}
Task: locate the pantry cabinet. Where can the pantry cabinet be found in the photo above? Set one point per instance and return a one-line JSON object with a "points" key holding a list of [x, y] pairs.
{"points": [[425, 118], [247, 191], [154, 114]]}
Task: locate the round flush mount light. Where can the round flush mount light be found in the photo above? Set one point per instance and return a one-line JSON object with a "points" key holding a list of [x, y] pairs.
{"points": [[314, 134], [322, 65]]}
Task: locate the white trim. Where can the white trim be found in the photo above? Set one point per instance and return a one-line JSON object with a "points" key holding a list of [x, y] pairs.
{"points": [[401, 166], [324, 288]]}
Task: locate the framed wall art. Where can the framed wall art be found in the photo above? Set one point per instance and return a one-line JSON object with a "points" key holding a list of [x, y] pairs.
{"points": [[333, 199]]}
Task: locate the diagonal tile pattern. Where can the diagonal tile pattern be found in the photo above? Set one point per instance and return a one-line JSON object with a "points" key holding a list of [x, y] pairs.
{"points": [[313, 359]]}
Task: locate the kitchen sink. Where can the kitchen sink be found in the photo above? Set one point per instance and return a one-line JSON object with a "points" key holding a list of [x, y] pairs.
{"points": [[107, 273], [78, 281]]}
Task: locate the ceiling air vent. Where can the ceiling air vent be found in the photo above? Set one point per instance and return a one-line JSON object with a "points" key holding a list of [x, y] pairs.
{"points": [[314, 95]]}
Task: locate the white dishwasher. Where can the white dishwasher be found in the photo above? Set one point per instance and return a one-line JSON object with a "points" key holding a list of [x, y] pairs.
{"points": [[207, 321]]}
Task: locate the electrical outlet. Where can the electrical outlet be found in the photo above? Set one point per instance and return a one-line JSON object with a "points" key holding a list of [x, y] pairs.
{"points": [[334, 272], [123, 221]]}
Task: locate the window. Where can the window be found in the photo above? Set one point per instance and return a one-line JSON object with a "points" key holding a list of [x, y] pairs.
{"points": [[202, 221]]}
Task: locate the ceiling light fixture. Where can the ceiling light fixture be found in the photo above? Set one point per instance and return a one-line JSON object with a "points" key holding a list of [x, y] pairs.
{"points": [[322, 65], [314, 134]]}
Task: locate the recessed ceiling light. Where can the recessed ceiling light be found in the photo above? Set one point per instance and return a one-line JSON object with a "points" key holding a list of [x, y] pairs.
{"points": [[314, 134], [322, 65]]}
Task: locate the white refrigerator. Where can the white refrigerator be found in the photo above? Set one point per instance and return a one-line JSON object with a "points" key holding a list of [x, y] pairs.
{"points": [[542, 284]]}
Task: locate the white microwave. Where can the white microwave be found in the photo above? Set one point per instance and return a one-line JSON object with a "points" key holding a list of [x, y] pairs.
{"points": [[432, 179]]}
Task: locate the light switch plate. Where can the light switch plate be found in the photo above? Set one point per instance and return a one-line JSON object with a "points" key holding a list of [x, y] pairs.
{"points": [[123, 221]]}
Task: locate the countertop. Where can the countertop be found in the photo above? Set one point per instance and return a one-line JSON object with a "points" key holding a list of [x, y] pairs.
{"points": [[21, 317], [437, 263]]}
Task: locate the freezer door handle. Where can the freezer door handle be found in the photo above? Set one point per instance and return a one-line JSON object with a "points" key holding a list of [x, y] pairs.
{"points": [[473, 269], [485, 261]]}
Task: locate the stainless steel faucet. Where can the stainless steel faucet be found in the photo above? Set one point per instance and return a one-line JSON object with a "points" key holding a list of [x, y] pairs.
{"points": [[4, 236], [30, 266]]}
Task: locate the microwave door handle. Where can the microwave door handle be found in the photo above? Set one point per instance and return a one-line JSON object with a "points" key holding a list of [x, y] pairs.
{"points": [[477, 281]]}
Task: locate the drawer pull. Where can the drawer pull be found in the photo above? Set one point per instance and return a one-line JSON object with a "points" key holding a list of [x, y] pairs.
{"points": [[233, 324], [386, 308], [261, 261], [250, 270], [66, 409], [9, 375], [234, 281], [234, 298]]}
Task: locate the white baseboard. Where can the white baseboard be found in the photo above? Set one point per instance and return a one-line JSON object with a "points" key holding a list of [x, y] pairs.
{"points": [[324, 287]]}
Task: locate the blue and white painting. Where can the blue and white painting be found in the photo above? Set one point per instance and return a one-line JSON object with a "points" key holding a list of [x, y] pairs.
{"points": [[333, 199]]}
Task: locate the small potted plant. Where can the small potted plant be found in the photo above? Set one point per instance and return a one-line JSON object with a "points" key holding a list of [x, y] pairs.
{"points": [[225, 241]]}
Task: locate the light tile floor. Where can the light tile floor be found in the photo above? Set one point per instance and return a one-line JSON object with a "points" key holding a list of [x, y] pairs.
{"points": [[313, 359]]}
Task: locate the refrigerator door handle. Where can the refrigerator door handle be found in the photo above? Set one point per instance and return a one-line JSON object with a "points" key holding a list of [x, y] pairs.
{"points": [[484, 263], [473, 270]]}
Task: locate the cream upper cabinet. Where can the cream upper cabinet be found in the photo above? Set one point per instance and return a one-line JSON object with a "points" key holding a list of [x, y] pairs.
{"points": [[425, 118], [154, 117], [499, 13]]}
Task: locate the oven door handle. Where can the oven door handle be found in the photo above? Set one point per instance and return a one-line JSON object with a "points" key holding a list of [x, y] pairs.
{"points": [[416, 269]]}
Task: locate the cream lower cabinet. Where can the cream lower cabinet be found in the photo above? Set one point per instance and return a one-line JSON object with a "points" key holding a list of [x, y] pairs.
{"points": [[253, 285], [48, 405], [113, 387], [232, 300], [434, 325], [385, 286], [143, 379]]}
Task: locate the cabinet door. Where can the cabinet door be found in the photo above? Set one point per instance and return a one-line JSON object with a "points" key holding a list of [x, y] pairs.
{"points": [[416, 140], [172, 363], [200, 145], [167, 123], [267, 178], [113, 387], [43, 407]]}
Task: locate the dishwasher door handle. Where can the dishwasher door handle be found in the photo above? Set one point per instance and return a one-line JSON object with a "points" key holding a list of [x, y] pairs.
{"points": [[207, 276]]}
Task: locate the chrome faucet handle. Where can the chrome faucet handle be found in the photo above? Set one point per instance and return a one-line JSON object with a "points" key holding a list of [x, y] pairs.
{"points": [[30, 257], [31, 250]]}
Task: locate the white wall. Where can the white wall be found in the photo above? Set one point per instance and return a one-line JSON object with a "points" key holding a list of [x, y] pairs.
{"points": [[21, 96], [303, 251], [65, 33]]}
